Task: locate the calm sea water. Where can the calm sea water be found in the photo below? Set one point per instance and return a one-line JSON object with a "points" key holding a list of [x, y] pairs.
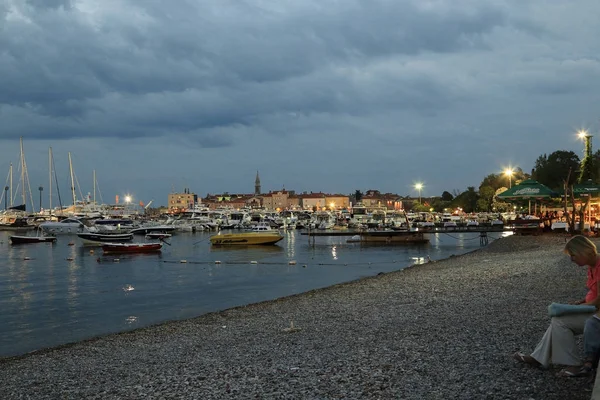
{"points": [[52, 294]]}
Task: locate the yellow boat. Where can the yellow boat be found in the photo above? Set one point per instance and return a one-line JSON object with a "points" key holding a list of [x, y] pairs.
{"points": [[260, 235]]}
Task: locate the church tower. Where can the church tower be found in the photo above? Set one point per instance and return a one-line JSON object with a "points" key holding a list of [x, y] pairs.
{"points": [[257, 184]]}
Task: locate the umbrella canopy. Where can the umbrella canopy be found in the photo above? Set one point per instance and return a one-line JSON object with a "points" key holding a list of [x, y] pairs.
{"points": [[588, 188], [528, 189]]}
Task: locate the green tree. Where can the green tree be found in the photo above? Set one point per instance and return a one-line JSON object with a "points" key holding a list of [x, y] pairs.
{"points": [[447, 196], [467, 200], [358, 195], [552, 170], [486, 197], [589, 167]]}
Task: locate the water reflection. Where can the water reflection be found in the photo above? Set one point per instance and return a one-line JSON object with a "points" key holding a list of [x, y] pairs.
{"points": [[49, 300]]}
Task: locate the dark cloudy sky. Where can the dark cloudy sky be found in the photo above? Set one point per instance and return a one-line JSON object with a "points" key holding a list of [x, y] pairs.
{"points": [[317, 95]]}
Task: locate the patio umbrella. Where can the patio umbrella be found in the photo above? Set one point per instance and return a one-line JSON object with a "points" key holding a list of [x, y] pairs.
{"points": [[588, 188], [527, 190]]}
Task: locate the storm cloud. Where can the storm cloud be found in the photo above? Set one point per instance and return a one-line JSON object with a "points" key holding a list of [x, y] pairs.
{"points": [[316, 95]]}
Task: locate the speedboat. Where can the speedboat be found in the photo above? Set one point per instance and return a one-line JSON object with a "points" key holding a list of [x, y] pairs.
{"points": [[261, 234], [131, 247]]}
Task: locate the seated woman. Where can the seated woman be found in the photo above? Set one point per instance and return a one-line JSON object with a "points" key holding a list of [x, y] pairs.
{"points": [[558, 343]]}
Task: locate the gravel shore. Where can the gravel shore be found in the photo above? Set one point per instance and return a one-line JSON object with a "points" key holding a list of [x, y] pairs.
{"points": [[444, 330]]}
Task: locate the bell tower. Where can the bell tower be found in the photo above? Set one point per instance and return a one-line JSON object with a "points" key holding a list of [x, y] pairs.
{"points": [[257, 184]]}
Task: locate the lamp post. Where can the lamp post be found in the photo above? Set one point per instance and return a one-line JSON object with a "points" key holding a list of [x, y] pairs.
{"points": [[419, 186], [5, 197], [40, 189], [509, 172]]}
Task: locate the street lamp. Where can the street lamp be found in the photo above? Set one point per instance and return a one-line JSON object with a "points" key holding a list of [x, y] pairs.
{"points": [[40, 189], [5, 197], [419, 186], [509, 172]]}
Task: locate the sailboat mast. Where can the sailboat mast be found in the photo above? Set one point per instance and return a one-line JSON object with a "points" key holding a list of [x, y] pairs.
{"points": [[24, 199], [50, 180], [72, 182], [11, 185], [94, 186]]}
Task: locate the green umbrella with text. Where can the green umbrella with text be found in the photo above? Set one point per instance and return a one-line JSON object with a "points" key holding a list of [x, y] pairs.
{"points": [[528, 190]]}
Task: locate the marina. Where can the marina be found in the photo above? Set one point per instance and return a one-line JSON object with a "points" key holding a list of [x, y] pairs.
{"points": [[58, 293]]}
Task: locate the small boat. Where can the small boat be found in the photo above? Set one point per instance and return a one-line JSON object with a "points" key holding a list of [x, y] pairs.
{"points": [[15, 224], [144, 230], [391, 237], [97, 239], [262, 234], [17, 239], [158, 235], [131, 247]]}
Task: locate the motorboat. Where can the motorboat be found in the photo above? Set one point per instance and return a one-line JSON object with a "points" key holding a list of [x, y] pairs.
{"points": [[94, 238], [261, 234], [131, 247], [66, 226], [158, 235], [16, 239], [144, 230]]}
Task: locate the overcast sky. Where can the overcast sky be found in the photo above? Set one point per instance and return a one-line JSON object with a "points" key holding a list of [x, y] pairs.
{"points": [[316, 95]]}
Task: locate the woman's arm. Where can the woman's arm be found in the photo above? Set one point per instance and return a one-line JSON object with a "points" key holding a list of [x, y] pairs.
{"points": [[595, 302]]}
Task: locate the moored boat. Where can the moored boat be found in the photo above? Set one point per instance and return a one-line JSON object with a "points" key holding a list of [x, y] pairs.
{"points": [[131, 247], [390, 237], [144, 230], [98, 239], [16, 239], [158, 235], [262, 234], [66, 226]]}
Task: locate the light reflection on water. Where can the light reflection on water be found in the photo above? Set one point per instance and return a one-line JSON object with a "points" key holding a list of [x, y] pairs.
{"points": [[67, 293]]}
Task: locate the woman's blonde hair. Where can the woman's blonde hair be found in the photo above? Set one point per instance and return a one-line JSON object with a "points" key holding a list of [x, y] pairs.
{"points": [[581, 246]]}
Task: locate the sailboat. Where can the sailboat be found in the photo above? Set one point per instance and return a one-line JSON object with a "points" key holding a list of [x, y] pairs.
{"points": [[14, 218]]}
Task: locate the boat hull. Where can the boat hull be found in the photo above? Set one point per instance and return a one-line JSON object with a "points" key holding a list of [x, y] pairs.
{"points": [[31, 239], [96, 239], [391, 238], [152, 229], [131, 247], [245, 239]]}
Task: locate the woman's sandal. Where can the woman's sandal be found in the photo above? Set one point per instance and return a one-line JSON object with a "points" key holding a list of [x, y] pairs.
{"points": [[575, 372], [524, 358]]}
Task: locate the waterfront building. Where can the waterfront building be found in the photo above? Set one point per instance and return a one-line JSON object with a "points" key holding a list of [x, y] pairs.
{"points": [[313, 201], [233, 201], [390, 201], [276, 200], [337, 201], [179, 202]]}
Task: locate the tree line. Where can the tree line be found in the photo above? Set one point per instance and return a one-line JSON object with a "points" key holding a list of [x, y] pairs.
{"points": [[557, 170]]}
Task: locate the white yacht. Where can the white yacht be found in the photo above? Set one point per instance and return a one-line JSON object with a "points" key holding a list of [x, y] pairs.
{"points": [[66, 226]]}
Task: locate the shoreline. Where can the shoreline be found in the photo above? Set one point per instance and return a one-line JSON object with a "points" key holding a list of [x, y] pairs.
{"points": [[446, 329]]}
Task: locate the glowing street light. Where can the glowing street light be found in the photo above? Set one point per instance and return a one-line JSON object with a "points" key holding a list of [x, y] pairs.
{"points": [[419, 186], [509, 172], [127, 199]]}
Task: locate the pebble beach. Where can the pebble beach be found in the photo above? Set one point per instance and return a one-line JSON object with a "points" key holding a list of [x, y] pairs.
{"points": [[442, 330]]}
